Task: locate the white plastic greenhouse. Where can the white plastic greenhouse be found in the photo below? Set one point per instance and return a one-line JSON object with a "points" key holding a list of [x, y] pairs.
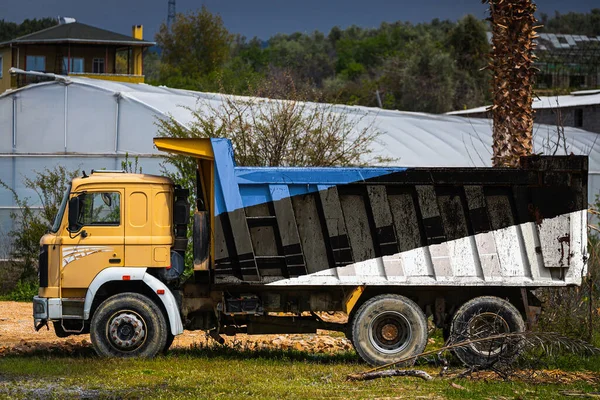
{"points": [[91, 124]]}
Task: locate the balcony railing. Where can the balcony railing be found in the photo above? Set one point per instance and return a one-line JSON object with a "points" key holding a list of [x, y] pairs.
{"points": [[22, 78], [110, 77]]}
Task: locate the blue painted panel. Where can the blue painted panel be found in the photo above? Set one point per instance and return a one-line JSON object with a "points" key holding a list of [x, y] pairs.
{"points": [[219, 200], [254, 194], [311, 175], [238, 187], [225, 181], [279, 192]]}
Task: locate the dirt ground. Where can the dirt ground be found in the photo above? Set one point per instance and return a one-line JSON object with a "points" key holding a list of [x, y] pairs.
{"points": [[17, 335]]}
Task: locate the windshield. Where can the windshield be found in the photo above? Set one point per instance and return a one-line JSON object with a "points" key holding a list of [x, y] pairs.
{"points": [[61, 210]]}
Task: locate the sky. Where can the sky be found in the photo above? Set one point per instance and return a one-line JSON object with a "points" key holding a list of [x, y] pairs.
{"points": [[264, 18]]}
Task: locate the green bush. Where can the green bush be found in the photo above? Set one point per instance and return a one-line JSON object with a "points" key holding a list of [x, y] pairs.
{"points": [[24, 291], [30, 223]]}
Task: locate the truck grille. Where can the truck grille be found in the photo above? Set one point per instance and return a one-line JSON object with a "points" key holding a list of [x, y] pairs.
{"points": [[43, 266]]}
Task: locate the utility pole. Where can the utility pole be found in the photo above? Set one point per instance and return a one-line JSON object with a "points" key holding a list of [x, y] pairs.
{"points": [[171, 14]]}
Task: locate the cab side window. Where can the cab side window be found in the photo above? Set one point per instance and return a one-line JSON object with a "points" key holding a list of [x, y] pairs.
{"points": [[100, 208]]}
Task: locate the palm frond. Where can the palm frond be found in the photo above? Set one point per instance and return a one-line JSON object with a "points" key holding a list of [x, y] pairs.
{"points": [[511, 346]]}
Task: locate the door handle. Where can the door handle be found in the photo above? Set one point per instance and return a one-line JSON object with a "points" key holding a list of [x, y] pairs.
{"points": [[114, 260]]}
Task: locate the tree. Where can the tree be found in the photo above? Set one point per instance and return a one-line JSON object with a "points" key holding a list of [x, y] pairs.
{"points": [[573, 23], [422, 82], [151, 66], [470, 49], [197, 44], [469, 44], [251, 52], [308, 56], [12, 30], [267, 132], [513, 31]]}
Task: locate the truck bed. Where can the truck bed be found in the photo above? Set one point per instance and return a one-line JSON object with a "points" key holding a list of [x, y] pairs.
{"points": [[401, 226]]}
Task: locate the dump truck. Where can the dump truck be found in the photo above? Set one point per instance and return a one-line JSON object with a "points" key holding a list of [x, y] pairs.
{"points": [[275, 249]]}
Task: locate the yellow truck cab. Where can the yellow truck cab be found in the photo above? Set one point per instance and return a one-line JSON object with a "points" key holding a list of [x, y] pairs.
{"points": [[125, 220], [268, 248], [121, 228]]}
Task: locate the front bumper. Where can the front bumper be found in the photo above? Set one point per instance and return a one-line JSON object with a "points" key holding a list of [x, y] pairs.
{"points": [[46, 309], [40, 312]]}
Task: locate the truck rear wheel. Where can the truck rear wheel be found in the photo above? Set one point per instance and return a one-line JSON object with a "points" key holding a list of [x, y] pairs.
{"points": [[482, 317], [388, 328], [128, 325]]}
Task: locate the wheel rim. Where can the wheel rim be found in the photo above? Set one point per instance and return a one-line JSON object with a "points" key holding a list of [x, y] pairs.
{"points": [[390, 332], [126, 330], [485, 325]]}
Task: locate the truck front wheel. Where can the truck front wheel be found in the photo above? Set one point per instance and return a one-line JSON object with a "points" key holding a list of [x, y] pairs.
{"points": [[128, 325], [388, 328], [169, 342]]}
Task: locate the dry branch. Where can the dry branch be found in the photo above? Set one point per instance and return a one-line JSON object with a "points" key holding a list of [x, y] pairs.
{"points": [[549, 342], [574, 393], [388, 373], [592, 227]]}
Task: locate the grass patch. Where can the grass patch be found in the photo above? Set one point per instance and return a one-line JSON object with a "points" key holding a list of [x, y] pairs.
{"points": [[572, 362], [220, 372]]}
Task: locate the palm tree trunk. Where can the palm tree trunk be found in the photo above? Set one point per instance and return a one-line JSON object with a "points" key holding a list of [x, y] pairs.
{"points": [[513, 31]]}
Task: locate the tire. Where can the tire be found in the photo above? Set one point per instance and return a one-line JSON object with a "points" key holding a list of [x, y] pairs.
{"points": [[128, 325], [170, 338], [387, 328], [481, 317]]}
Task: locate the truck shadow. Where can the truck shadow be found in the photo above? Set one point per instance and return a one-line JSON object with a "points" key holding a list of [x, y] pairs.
{"points": [[85, 350], [245, 353], [56, 349]]}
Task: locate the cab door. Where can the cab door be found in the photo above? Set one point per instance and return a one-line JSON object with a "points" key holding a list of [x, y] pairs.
{"points": [[99, 244]]}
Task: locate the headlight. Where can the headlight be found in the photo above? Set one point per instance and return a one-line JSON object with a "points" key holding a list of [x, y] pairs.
{"points": [[38, 308]]}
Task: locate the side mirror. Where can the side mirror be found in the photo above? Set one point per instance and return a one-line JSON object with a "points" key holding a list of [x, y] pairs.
{"points": [[73, 214], [106, 199]]}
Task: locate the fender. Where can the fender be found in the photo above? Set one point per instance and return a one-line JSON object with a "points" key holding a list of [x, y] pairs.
{"points": [[168, 301], [135, 274]]}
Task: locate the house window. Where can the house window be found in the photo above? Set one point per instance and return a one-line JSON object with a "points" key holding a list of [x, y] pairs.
{"points": [[578, 117], [576, 81], [1, 66], [76, 65], [36, 63], [98, 66]]}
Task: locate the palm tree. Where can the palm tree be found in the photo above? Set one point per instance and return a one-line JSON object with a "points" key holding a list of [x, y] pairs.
{"points": [[513, 32]]}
